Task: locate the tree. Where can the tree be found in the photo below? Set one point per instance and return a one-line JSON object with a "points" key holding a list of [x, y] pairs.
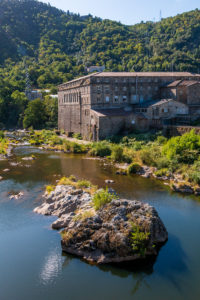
{"points": [[35, 114]]}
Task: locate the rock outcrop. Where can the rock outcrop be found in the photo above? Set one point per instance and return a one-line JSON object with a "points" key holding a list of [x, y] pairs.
{"points": [[122, 230]]}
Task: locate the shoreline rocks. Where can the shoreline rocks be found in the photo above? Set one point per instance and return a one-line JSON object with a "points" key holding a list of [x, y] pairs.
{"points": [[120, 231]]}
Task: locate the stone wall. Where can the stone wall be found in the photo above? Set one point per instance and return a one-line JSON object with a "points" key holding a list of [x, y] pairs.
{"points": [[179, 130]]}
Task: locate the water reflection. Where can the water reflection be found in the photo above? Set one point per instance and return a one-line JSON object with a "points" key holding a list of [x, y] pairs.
{"points": [[52, 267]]}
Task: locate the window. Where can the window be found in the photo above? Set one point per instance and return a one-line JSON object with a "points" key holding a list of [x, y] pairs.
{"points": [[99, 90], [87, 112], [124, 98], [116, 98], [107, 98], [124, 88], [98, 99], [107, 90]]}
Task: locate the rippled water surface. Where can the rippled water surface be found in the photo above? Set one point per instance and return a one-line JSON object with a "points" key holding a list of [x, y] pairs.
{"points": [[32, 265]]}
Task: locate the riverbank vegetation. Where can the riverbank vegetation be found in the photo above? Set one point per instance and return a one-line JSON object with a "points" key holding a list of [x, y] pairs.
{"points": [[83, 184], [3, 143], [177, 156]]}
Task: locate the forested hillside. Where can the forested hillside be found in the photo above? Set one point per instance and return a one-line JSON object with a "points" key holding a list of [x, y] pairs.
{"points": [[56, 46]]}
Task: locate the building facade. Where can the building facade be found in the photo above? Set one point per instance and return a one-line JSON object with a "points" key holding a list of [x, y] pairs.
{"points": [[103, 104]]}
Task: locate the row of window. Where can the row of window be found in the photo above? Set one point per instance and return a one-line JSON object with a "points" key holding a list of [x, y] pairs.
{"points": [[71, 98], [115, 99], [119, 80], [107, 89]]}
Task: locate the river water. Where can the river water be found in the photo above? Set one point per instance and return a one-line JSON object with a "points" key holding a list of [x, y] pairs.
{"points": [[32, 265]]}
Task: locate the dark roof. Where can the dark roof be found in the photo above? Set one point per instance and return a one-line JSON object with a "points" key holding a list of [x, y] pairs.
{"points": [[183, 83], [134, 74], [145, 74], [146, 104], [111, 112], [154, 103]]}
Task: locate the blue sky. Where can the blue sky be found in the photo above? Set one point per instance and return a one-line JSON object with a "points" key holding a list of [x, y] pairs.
{"points": [[127, 11]]}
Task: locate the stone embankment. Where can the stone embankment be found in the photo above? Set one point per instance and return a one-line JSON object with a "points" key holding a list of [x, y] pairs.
{"points": [[119, 231]]}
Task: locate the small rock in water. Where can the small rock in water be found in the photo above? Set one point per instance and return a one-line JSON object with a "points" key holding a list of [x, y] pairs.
{"points": [[14, 164], [28, 158], [17, 196], [6, 170], [1, 178], [109, 181]]}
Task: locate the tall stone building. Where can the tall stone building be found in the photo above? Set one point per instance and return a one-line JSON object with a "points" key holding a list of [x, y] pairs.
{"points": [[103, 104]]}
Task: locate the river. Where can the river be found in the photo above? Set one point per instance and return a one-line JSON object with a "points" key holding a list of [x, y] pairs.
{"points": [[32, 265]]}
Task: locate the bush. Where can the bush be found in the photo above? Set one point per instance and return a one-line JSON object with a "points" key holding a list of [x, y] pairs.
{"points": [[146, 157], [162, 172], [194, 176], [50, 188], [161, 140], [101, 198], [139, 240], [2, 136], [101, 149], [77, 136], [134, 168], [117, 153], [83, 184], [77, 148], [185, 148]]}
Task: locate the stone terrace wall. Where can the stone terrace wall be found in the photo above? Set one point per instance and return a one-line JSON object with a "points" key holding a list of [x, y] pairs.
{"points": [[179, 130]]}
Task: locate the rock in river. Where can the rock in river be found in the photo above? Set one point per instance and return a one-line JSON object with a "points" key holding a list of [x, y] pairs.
{"points": [[120, 231]]}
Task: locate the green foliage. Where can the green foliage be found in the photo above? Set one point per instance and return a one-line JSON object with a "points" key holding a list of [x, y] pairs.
{"points": [[101, 149], [2, 135], [57, 46], [161, 140], [139, 240], [83, 184], [50, 188], [162, 172], [101, 198], [185, 148], [117, 153], [35, 115], [134, 168], [77, 148], [77, 136]]}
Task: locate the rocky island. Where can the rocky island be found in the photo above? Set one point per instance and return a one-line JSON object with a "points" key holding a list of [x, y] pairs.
{"points": [[99, 227]]}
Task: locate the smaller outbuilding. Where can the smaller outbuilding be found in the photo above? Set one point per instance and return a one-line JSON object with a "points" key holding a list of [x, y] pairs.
{"points": [[157, 112]]}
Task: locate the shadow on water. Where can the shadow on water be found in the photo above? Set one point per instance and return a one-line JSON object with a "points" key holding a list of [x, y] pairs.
{"points": [[172, 261], [139, 270]]}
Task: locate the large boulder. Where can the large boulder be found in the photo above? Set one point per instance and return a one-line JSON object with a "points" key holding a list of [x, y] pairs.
{"points": [[122, 230]]}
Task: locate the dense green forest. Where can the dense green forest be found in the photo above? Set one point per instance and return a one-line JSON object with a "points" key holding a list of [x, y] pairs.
{"points": [[56, 46]]}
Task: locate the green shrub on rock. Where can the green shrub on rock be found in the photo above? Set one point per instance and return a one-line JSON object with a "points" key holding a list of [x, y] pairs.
{"points": [[101, 198], [139, 240], [134, 168]]}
